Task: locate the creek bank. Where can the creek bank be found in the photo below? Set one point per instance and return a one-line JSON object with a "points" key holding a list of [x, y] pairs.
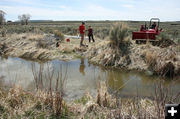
{"points": [[17, 103], [160, 61], [35, 47]]}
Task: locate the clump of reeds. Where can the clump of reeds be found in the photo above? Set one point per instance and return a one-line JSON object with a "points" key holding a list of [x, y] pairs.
{"points": [[103, 98], [112, 106], [53, 98], [163, 95]]}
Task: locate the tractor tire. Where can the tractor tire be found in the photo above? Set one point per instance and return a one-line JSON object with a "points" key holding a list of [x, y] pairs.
{"points": [[137, 41]]}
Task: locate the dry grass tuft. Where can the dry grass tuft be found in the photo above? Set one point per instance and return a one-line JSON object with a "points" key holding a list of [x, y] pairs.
{"points": [[53, 97], [118, 37], [150, 58], [58, 35], [35, 36], [118, 33], [47, 104]]}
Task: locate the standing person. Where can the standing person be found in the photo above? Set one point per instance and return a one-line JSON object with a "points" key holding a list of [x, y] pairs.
{"points": [[90, 34], [82, 33]]}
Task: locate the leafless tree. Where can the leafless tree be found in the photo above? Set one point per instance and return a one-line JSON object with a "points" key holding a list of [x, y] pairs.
{"points": [[2, 17], [24, 18]]}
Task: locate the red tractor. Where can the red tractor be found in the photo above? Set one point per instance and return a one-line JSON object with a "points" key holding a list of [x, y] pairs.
{"points": [[146, 33]]}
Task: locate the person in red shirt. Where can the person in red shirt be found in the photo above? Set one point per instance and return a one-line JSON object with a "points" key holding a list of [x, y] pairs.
{"points": [[90, 34], [82, 33]]}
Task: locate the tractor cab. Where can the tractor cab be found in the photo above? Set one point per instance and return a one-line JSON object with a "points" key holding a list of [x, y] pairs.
{"points": [[147, 33], [154, 23]]}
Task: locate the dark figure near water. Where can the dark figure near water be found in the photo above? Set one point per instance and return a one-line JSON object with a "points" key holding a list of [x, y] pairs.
{"points": [[90, 34], [153, 25]]}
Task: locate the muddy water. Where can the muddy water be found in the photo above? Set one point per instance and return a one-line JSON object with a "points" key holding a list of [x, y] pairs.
{"points": [[82, 77]]}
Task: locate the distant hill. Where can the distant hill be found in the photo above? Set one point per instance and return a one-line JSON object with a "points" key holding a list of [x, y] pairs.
{"points": [[41, 21]]}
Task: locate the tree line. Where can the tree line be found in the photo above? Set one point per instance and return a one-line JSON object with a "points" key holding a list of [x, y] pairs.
{"points": [[24, 18]]}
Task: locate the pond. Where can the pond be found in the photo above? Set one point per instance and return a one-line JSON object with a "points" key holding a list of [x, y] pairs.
{"points": [[81, 77]]}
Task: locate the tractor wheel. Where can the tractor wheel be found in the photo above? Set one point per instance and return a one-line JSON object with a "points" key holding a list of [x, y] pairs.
{"points": [[142, 42], [137, 41]]}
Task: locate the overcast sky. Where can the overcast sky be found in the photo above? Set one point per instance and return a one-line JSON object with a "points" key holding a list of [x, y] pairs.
{"points": [[166, 10]]}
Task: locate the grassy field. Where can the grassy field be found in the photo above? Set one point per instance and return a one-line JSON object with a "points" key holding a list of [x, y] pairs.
{"points": [[30, 41], [101, 28]]}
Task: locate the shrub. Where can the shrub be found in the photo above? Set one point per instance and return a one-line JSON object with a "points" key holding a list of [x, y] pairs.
{"points": [[162, 36], [164, 40], [119, 37], [58, 35], [118, 33]]}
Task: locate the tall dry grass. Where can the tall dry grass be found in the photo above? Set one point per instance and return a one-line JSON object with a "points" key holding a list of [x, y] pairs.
{"points": [[150, 59], [119, 37], [112, 106], [18, 103], [164, 95], [161, 61], [59, 35], [53, 95], [118, 33]]}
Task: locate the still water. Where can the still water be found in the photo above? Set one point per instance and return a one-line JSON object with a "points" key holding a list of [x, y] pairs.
{"points": [[82, 77]]}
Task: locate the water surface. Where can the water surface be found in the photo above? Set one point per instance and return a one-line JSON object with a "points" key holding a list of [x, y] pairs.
{"points": [[82, 77]]}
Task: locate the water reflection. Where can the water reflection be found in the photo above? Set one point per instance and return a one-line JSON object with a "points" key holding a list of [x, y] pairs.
{"points": [[2, 80], [82, 67], [82, 77], [115, 80]]}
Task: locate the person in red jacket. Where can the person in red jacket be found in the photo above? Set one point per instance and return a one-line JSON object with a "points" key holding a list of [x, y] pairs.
{"points": [[82, 33], [90, 34]]}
